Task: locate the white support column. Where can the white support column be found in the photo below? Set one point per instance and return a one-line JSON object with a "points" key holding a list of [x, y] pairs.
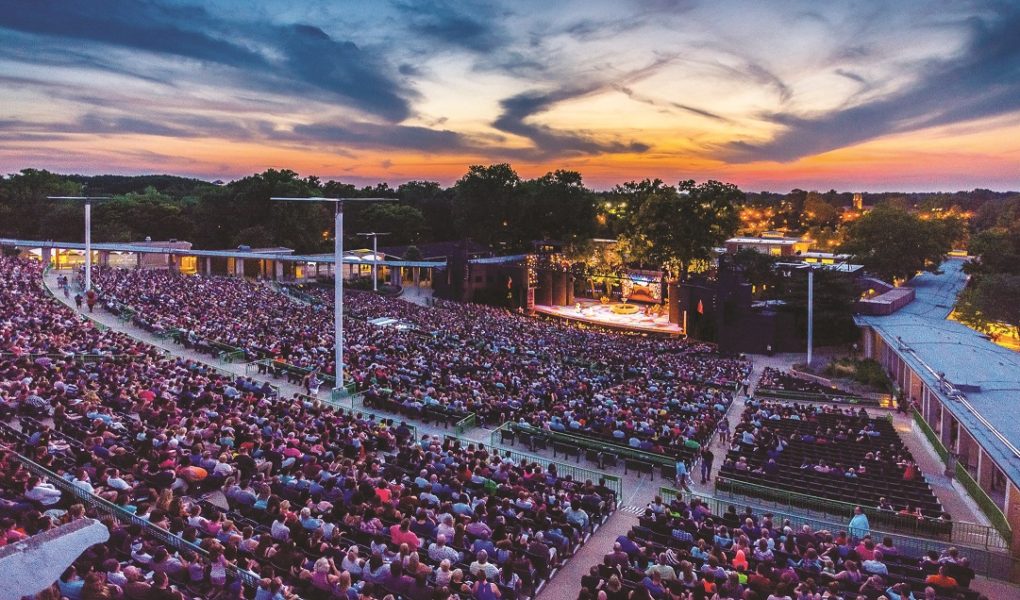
{"points": [[945, 420], [338, 297], [810, 313], [88, 245], [375, 263]]}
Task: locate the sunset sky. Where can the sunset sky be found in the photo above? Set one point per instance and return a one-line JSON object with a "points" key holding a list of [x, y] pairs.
{"points": [[862, 95]]}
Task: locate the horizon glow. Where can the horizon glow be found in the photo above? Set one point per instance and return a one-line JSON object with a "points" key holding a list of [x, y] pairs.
{"points": [[874, 96]]}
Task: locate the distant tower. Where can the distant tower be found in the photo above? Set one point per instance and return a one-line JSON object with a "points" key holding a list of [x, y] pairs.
{"points": [[858, 201]]}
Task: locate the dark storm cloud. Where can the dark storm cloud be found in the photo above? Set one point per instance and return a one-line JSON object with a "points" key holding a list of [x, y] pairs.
{"points": [[167, 125], [380, 136], [764, 76], [550, 142], [270, 56], [343, 69], [143, 26], [27, 48], [981, 81], [471, 26], [587, 30], [121, 125], [667, 104], [851, 76]]}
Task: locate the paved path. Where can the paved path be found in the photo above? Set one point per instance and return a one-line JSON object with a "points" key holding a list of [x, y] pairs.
{"points": [[565, 584], [416, 295]]}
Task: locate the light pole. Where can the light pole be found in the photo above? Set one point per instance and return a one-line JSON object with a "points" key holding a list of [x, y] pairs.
{"points": [[338, 287], [810, 313], [375, 257], [88, 200]]}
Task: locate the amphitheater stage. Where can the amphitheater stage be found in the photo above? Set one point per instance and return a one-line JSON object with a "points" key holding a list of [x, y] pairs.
{"points": [[596, 313]]}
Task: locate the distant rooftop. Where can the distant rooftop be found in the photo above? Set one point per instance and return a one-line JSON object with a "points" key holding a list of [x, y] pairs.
{"points": [[781, 241], [988, 374]]}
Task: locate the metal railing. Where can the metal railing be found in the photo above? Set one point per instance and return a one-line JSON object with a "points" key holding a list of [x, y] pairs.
{"points": [[350, 386], [991, 562], [984, 502], [100, 505], [981, 498], [576, 473], [466, 423], [354, 411], [933, 437], [798, 396], [621, 451], [297, 294], [960, 532], [80, 357], [232, 356]]}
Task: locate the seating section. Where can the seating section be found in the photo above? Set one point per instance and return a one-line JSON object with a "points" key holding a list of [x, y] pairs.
{"points": [[212, 477], [681, 548], [453, 359], [828, 452], [777, 379], [783, 385]]}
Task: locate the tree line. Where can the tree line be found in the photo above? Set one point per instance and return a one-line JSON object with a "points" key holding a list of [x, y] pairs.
{"points": [[657, 225], [490, 204], [991, 302]]}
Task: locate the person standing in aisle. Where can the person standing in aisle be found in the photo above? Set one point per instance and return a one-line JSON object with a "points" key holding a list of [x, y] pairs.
{"points": [[706, 465]]}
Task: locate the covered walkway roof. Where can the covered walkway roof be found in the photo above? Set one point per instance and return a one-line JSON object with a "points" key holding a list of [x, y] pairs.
{"points": [[242, 254], [979, 380]]}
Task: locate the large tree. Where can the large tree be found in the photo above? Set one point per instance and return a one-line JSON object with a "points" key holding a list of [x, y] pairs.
{"points": [[405, 224], [996, 250], [895, 244], [435, 203], [759, 269], [992, 301], [242, 213], [818, 212], [484, 205], [26, 213], [677, 228], [135, 216], [556, 206]]}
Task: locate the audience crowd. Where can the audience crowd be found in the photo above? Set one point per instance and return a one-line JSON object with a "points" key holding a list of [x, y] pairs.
{"points": [[835, 452], [682, 551], [777, 379], [452, 357], [314, 501]]}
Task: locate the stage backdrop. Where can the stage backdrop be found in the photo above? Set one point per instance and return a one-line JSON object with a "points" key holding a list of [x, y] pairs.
{"points": [[642, 286]]}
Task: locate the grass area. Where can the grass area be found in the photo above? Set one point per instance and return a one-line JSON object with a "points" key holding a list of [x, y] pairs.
{"points": [[865, 371]]}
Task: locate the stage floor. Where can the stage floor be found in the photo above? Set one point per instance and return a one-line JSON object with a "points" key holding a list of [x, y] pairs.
{"points": [[597, 313]]}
